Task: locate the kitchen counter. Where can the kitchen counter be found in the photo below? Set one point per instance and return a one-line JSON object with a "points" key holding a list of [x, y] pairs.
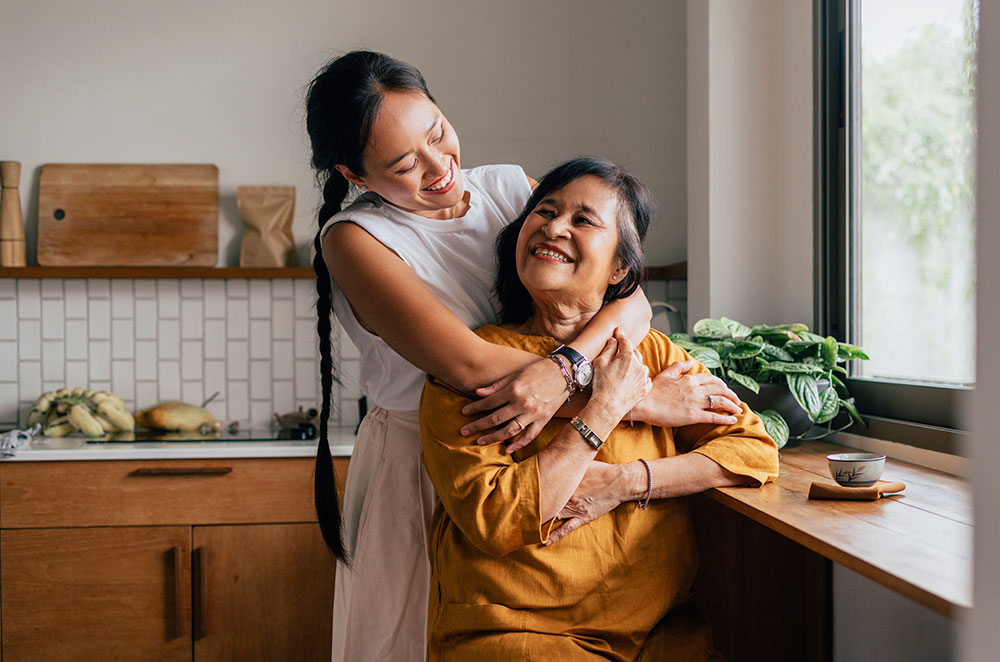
{"points": [[77, 448]]}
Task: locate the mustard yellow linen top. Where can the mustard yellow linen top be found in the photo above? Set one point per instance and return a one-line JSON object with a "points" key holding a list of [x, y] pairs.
{"points": [[498, 594]]}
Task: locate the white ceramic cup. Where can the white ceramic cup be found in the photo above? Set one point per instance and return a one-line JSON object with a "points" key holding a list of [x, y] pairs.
{"points": [[856, 469]]}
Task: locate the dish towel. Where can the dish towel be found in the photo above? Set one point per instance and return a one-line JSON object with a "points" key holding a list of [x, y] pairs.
{"points": [[13, 441], [824, 490]]}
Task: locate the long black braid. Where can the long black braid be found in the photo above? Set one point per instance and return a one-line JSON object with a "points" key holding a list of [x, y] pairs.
{"points": [[341, 106]]}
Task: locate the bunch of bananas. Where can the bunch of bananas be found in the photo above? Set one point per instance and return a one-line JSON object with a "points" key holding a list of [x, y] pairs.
{"points": [[93, 413]]}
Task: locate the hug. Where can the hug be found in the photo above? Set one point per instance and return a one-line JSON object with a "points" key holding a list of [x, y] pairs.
{"points": [[515, 487]]}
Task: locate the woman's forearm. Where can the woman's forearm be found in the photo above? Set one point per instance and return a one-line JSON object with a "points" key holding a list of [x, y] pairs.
{"points": [[632, 315], [564, 461], [677, 476]]}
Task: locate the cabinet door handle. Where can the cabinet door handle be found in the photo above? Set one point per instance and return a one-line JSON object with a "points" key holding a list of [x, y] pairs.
{"points": [[199, 592], [182, 471], [174, 601]]}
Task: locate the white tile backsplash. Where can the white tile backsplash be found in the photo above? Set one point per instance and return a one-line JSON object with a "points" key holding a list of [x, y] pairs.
{"points": [[192, 360], [168, 294], [29, 340], [8, 361], [98, 288], [123, 339], [100, 361], [29, 379], [53, 361], [260, 380], [76, 339], [122, 299], [53, 323], [76, 373], [8, 319], [145, 288], [191, 288], [237, 318], [99, 319], [168, 339], [260, 339], [29, 299], [149, 340], [52, 288], [238, 359]]}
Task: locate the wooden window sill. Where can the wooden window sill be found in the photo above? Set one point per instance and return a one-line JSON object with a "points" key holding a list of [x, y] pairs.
{"points": [[918, 543]]}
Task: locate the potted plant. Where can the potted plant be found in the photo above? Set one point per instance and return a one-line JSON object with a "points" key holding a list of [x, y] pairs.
{"points": [[788, 375]]}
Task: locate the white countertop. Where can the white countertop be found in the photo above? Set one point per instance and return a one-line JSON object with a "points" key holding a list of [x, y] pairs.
{"points": [[77, 448]]}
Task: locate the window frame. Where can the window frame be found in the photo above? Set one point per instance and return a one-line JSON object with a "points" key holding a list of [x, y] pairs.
{"points": [[921, 415]]}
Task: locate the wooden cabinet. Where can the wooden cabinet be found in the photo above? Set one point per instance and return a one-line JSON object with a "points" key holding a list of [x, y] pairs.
{"points": [[164, 560]]}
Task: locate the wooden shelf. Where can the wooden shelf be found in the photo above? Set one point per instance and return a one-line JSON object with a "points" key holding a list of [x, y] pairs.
{"points": [[678, 271], [156, 272], [918, 544]]}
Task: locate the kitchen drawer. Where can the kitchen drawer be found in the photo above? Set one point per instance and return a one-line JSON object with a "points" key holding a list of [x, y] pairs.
{"points": [[159, 492]]}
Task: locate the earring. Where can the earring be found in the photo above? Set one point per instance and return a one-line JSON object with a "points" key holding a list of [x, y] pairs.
{"points": [[615, 277]]}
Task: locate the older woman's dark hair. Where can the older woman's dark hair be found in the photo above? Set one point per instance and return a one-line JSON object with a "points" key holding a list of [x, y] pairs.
{"points": [[341, 107], [635, 209]]}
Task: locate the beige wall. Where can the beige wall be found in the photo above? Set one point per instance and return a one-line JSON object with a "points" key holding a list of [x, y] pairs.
{"points": [[750, 160], [222, 82]]}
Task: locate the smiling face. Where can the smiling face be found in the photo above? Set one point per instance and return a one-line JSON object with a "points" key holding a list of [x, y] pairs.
{"points": [[412, 157], [566, 247]]}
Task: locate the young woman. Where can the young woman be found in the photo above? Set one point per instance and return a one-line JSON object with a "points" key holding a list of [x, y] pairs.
{"points": [[412, 264]]}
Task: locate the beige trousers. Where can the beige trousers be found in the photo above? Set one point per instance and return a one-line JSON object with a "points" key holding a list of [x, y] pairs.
{"points": [[380, 602]]}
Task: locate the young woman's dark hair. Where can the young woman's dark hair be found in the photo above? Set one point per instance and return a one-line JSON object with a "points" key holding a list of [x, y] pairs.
{"points": [[342, 104], [635, 208]]}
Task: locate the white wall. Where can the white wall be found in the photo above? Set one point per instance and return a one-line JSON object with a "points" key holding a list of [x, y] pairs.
{"points": [[982, 636], [750, 238], [750, 160], [222, 82]]}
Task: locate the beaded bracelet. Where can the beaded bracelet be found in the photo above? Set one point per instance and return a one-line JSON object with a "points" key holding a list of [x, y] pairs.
{"points": [[570, 383], [642, 505]]}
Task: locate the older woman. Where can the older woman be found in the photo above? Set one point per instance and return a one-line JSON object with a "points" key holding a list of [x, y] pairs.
{"points": [[501, 590]]}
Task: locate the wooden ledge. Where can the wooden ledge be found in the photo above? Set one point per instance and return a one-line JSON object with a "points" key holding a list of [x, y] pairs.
{"points": [[917, 543]]}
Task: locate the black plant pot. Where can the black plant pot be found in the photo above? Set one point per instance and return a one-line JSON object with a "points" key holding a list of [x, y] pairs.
{"points": [[781, 400]]}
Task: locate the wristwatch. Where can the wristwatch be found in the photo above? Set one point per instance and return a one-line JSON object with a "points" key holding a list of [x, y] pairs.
{"points": [[583, 373], [587, 434]]}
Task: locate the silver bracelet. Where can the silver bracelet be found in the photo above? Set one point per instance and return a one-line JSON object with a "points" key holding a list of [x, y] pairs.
{"points": [[570, 384], [642, 505]]}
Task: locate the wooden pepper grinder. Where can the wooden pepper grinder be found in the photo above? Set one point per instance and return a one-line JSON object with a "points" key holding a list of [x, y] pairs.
{"points": [[12, 250]]}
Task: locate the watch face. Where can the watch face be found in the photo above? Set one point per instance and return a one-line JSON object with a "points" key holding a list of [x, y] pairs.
{"points": [[584, 373]]}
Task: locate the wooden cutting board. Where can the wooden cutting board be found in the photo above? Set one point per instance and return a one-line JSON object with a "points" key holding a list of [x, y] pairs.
{"points": [[128, 215]]}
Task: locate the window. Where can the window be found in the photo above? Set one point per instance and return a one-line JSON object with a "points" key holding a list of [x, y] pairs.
{"points": [[896, 236]]}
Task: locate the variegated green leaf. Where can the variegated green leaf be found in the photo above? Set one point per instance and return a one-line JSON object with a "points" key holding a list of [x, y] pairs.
{"points": [[803, 387], [828, 350], [829, 405], [706, 356], [745, 350], [775, 425], [683, 340], [736, 329], [712, 328], [744, 380]]}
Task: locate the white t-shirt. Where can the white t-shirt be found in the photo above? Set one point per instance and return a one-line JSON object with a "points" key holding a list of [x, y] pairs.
{"points": [[454, 258]]}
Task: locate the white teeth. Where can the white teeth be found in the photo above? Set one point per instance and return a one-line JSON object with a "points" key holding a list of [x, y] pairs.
{"points": [[544, 252], [444, 182]]}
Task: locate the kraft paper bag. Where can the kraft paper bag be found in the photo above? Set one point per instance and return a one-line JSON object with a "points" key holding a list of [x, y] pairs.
{"points": [[267, 213]]}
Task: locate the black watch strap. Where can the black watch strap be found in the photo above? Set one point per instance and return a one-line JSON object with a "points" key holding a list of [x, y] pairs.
{"points": [[582, 370]]}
